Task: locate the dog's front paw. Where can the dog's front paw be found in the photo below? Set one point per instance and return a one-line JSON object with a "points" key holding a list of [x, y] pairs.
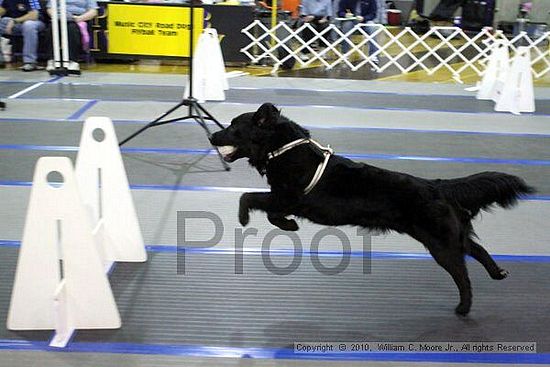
{"points": [[244, 216]]}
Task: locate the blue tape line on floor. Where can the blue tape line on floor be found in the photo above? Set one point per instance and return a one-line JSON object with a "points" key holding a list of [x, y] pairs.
{"points": [[360, 254], [273, 353], [375, 156], [292, 252], [82, 110], [319, 127]]}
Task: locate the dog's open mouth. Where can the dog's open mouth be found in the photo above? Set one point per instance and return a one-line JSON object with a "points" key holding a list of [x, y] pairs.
{"points": [[227, 152]]}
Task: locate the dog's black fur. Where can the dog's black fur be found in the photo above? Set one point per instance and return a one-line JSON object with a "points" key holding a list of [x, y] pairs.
{"points": [[437, 213]]}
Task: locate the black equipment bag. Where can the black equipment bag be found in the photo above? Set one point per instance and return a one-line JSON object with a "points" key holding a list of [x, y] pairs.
{"points": [[420, 26]]}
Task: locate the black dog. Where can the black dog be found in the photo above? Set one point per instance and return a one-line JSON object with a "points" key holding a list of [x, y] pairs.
{"points": [[437, 213]]}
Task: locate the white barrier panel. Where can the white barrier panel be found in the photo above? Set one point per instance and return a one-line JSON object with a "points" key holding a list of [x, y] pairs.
{"points": [[209, 78], [60, 282], [518, 93], [447, 48], [218, 63], [105, 192], [495, 75], [503, 69]]}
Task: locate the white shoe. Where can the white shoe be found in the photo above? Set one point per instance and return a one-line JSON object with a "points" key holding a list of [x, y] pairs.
{"points": [[73, 65], [27, 67], [73, 68], [50, 66]]}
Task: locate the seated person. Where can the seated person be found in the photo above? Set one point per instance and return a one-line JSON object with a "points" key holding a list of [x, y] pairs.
{"points": [[358, 11], [317, 13], [78, 13], [20, 18]]}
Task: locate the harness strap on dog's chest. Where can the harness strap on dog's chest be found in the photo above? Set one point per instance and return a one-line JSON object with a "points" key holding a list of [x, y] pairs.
{"points": [[327, 152], [287, 147]]}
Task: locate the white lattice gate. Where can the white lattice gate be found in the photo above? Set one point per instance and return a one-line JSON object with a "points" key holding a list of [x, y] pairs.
{"points": [[440, 48]]}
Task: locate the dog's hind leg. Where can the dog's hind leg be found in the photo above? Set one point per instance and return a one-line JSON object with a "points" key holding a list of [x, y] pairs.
{"points": [[449, 254], [480, 254], [452, 260]]}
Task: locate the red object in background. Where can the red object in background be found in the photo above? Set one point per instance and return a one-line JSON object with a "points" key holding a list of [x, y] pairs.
{"points": [[394, 17], [288, 5]]}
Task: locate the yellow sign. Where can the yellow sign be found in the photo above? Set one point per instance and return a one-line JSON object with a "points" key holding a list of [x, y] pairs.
{"points": [[152, 29]]}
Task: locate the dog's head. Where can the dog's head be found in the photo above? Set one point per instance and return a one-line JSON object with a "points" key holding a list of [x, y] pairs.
{"points": [[253, 135]]}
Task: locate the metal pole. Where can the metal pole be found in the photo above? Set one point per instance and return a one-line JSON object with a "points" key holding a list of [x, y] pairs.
{"points": [[55, 34], [191, 31], [273, 13], [273, 21], [64, 34]]}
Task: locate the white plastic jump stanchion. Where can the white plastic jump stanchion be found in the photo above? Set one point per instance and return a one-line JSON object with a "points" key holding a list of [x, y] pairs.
{"points": [[518, 93], [496, 73], [60, 282], [218, 63], [59, 16], [209, 78], [106, 194], [503, 68]]}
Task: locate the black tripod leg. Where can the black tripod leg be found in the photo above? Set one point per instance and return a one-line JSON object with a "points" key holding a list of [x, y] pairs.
{"points": [[201, 122], [151, 124], [210, 116]]}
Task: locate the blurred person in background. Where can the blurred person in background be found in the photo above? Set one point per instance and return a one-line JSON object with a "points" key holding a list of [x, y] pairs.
{"points": [[20, 18], [317, 13], [352, 12]]}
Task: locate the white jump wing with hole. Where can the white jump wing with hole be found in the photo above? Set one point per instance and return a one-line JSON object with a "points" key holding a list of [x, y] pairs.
{"points": [[60, 282], [105, 192]]}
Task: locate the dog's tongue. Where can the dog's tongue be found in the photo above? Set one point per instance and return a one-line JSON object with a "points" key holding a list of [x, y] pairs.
{"points": [[226, 150]]}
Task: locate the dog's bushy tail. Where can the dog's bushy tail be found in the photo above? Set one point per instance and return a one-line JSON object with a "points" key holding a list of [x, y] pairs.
{"points": [[483, 190]]}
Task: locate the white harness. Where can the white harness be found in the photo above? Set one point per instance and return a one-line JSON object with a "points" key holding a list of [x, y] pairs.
{"points": [[327, 152]]}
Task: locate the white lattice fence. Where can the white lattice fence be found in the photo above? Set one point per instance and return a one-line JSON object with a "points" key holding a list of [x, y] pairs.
{"points": [[440, 48]]}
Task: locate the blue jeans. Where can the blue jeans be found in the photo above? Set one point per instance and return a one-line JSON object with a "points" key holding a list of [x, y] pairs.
{"points": [[29, 30], [346, 26]]}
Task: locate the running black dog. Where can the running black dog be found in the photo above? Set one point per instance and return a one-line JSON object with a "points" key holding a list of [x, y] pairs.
{"points": [[308, 181]]}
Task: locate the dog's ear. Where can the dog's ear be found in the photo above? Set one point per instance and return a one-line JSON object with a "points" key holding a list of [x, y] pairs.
{"points": [[266, 115]]}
